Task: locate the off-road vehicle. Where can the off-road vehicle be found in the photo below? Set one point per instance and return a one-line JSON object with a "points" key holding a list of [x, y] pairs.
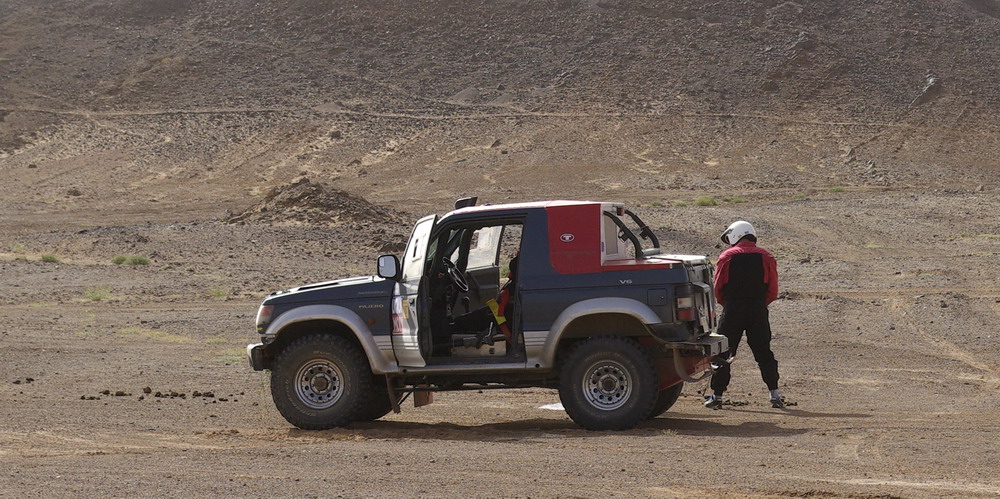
{"points": [[557, 294]]}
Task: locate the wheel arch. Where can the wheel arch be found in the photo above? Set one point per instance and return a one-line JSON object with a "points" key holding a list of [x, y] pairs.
{"points": [[334, 320], [595, 317]]}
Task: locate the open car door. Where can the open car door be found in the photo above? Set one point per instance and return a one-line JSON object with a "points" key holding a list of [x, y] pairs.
{"points": [[412, 343]]}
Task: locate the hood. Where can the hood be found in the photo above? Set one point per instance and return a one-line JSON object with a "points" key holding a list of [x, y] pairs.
{"points": [[341, 289]]}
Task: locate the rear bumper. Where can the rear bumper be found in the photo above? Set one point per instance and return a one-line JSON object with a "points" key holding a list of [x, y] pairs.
{"points": [[706, 346], [255, 355]]}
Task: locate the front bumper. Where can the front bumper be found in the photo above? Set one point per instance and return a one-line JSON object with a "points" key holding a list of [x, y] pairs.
{"points": [[255, 355]]}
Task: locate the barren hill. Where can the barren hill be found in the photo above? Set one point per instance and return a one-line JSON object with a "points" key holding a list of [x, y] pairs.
{"points": [[238, 147], [205, 106]]}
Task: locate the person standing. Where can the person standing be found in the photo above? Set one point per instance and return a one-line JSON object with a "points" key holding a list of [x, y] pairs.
{"points": [[746, 282]]}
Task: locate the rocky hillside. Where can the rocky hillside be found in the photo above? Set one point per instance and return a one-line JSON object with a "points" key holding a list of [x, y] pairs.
{"points": [[209, 105]]}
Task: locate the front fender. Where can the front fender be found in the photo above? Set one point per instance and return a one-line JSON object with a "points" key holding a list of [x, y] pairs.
{"points": [[611, 305], [378, 349]]}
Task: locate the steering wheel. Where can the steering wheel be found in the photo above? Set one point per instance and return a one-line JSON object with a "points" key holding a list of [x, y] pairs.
{"points": [[455, 275]]}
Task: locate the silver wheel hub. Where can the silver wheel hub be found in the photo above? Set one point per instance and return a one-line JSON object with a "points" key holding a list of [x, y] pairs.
{"points": [[607, 385], [319, 384]]}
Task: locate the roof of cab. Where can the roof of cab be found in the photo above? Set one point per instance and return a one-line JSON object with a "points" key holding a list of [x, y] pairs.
{"points": [[519, 206]]}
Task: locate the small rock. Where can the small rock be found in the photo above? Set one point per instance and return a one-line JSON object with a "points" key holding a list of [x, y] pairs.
{"points": [[147, 390], [29, 380], [120, 393], [105, 392], [17, 382]]}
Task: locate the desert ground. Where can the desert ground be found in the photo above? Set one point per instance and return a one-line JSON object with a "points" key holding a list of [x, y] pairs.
{"points": [[225, 150]]}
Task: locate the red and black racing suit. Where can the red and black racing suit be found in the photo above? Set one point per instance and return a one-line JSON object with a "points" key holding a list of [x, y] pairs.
{"points": [[746, 282]]}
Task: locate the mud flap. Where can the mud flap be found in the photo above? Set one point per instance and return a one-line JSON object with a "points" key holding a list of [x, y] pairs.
{"points": [[421, 399], [667, 372]]}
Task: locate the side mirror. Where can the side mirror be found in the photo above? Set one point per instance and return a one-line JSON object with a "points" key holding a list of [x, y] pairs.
{"points": [[388, 266]]}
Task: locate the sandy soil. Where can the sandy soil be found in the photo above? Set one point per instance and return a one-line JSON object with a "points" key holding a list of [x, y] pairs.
{"points": [[182, 132]]}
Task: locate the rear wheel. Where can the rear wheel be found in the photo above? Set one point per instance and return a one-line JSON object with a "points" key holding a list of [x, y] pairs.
{"points": [[665, 400], [321, 381], [608, 383]]}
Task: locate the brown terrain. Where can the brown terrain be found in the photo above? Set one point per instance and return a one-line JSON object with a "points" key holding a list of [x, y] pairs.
{"points": [[244, 147]]}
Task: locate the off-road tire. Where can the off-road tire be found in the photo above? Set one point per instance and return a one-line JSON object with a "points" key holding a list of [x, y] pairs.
{"points": [[378, 403], [321, 381], [608, 383], [665, 400]]}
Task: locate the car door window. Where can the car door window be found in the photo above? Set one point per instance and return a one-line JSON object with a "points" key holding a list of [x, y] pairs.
{"points": [[483, 247]]}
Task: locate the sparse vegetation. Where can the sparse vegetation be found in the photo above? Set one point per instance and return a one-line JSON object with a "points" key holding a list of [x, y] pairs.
{"points": [[215, 341], [119, 259], [218, 293], [735, 200], [17, 248], [837, 189], [872, 245], [97, 293], [657, 204], [705, 201], [680, 204], [137, 260], [800, 196], [49, 258], [153, 334]]}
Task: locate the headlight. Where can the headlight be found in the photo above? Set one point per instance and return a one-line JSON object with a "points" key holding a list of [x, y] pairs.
{"points": [[264, 317]]}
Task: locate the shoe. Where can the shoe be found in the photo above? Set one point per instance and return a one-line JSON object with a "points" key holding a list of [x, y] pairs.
{"points": [[777, 399], [713, 401]]}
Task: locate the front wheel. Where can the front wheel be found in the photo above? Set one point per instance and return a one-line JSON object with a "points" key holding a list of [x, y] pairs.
{"points": [[320, 382], [608, 383]]}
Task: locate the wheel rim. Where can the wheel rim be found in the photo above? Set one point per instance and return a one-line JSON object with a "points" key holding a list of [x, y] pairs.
{"points": [[607, 385], [319, 384]]}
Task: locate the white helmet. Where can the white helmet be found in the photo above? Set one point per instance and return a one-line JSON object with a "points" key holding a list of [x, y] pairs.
{"points": [[737, 231]]}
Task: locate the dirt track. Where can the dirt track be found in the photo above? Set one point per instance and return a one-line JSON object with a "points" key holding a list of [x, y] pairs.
{"points": [[892, 375], [861, 139]]}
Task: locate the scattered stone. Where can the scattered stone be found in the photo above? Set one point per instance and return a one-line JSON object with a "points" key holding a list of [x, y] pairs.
{"points": [[147, 390], [29, 380], [196, 393], [158, 395], [931, 90], [105, 392], [120, 393], [17, 382]]}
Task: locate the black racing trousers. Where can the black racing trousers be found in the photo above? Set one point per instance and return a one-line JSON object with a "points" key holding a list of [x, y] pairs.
{"points": [[750, 316]]}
